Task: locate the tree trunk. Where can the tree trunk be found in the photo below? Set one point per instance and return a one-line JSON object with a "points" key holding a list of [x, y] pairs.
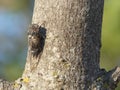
{"points": [[64, 44]]}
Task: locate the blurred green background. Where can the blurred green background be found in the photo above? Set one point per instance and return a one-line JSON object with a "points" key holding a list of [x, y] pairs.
{"points": [[110, 52], [15, 16]]}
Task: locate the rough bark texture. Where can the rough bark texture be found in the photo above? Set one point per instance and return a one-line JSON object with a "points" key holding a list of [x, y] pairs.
{"points": [[69, 59], [5, 85]]}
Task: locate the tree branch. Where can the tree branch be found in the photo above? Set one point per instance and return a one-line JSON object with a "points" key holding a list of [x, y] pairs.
{"points": [[113, 77], [106, 80]]}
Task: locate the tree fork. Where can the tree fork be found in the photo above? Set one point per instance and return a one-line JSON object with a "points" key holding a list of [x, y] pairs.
{"points": [[69, 57]]}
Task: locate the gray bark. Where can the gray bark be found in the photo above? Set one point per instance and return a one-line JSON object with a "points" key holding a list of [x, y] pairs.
{"points": [[69, 58]]}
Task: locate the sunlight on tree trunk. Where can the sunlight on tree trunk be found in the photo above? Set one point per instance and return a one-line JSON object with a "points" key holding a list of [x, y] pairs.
{"points": [[64, 44]]}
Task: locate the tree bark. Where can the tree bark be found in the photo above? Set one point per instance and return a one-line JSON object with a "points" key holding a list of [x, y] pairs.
{"points": [[65, 54]]}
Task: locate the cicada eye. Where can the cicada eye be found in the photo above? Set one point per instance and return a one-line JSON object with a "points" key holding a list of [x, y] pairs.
{"points": [[35, 33], [35, 26], [32, 33]]}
